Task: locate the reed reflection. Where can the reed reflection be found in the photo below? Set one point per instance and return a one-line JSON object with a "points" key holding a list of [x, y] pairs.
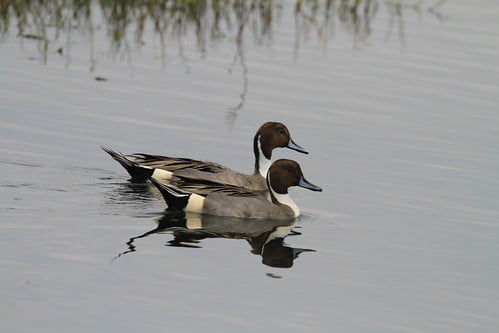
{"points": [[325, 17], [396, 22], [130, 25], [126, 22], [265, 237]]}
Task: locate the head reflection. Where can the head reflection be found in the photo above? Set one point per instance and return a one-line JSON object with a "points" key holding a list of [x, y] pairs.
{"points": [[265, 237]]}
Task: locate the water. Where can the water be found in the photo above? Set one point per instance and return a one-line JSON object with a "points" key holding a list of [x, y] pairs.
{"points": [[398, 108]]}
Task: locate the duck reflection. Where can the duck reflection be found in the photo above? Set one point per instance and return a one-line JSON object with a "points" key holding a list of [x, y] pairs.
{"points": [[265, 237]]}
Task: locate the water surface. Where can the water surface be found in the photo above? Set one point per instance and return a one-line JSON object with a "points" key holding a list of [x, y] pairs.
{"points": [[396, 102]]}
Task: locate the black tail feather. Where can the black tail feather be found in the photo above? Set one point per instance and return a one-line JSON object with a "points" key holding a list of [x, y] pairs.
{"points": [[175, 198], [138, 172]]}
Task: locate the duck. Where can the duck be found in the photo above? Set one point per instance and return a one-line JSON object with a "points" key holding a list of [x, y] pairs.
{"points": [[211, 198], [269, 136]]}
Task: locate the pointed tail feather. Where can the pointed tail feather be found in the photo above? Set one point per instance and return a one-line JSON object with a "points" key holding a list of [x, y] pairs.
{"points": [[139, 173], [175, 198]]}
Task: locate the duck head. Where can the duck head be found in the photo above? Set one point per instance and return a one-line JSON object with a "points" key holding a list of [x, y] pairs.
{"points": [[286, 173], [269, 136]]}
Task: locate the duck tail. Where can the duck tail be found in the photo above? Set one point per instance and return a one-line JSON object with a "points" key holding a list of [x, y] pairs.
{"points": [[174, 197], [139, 173]]}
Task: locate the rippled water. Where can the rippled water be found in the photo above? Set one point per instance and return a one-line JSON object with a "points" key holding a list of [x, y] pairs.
{"points": [[398, 106]]}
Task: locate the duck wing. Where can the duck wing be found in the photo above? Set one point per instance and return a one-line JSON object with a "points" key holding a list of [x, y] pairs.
{"points": [[177, 163], [201, 170], [207, 187]]}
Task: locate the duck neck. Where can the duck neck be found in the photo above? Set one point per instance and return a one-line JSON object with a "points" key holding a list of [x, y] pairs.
{"points": [[262, 162], [283, 199]]}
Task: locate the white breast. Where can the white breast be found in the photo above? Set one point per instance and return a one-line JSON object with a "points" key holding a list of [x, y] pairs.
{"points": [[285, 199]]}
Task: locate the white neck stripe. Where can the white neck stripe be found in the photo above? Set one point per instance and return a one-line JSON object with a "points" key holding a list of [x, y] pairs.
{"points": [[263, 162], [284, 199]]}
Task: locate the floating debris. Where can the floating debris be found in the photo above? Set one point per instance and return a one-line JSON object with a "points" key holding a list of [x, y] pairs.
{"points": [[272, 275], [35, 37]]}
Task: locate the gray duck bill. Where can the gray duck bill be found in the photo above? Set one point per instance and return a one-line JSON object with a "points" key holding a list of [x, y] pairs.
{"points": [[309, 186], [294, 146]]}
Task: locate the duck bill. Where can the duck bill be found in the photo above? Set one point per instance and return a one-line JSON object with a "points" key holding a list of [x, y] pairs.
{"points": [[294, 146], [309, 186], [297, 252]]}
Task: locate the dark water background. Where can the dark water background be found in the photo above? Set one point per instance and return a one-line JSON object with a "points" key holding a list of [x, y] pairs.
{"points": [[397, 102]]}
